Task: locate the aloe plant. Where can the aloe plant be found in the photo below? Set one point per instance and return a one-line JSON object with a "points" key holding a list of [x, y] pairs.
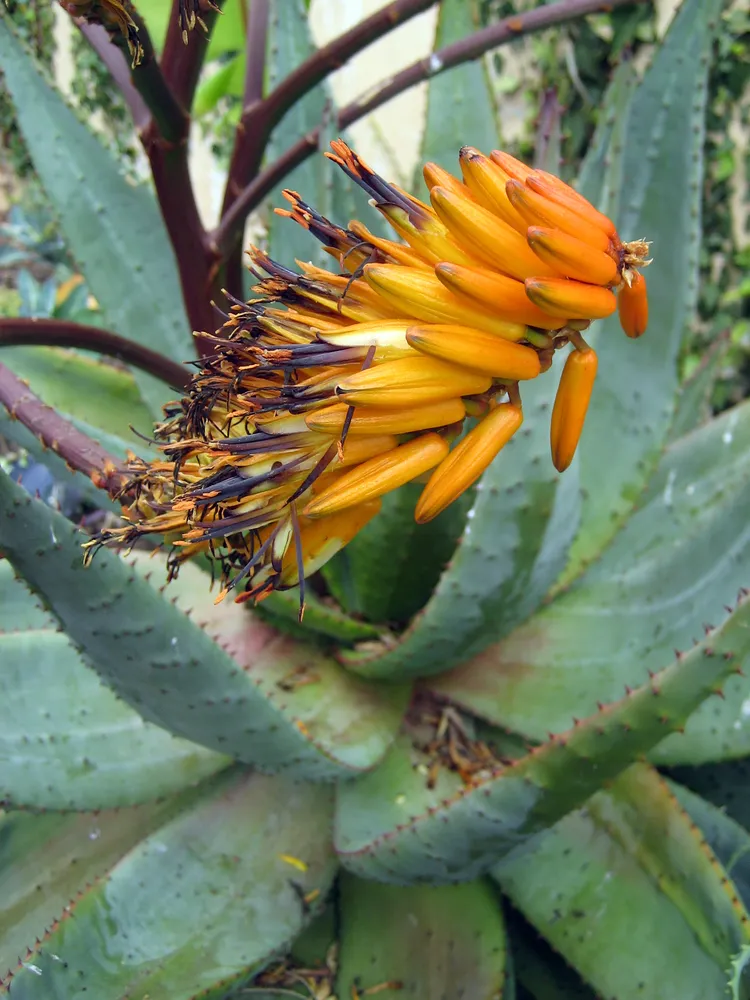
{"points": [[501, 755]]}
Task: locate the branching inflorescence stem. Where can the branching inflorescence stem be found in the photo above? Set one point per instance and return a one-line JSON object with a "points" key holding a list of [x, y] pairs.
{"points": [[160, 95]]}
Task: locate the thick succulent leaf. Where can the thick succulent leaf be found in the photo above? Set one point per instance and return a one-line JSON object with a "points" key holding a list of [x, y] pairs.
{"points": [[680, 559], [731, 844], [540, 973], [390, 828], [211, 895], [729, 841], [724, 785], [460, 103], [45, 860], [514, 546], [693, 406], [112, 227], [387, 573], [67, 742], [609, 874], [281, 609], [424, 942], [600, 176], [662, 168], [262, 698], [319, 182]]}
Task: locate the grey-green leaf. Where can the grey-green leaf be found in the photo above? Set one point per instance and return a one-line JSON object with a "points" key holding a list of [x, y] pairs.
{"points": [[46, 859], [317, 180], [678, 562], [263, 698], [460, 104], [661, 174], [584, 886], [422, 943], [208, 897], [392, 827], [514, 545], [67, 742], [112, 227]]}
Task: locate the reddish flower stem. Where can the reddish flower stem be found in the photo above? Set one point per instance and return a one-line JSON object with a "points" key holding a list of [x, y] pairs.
{"points": [[60, 333], [181, 64], [249, 144], [229, 231], [79, 451], [164, 130]]}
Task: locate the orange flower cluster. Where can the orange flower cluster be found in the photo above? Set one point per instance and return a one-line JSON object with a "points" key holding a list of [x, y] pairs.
{"points": [[327, 391]]}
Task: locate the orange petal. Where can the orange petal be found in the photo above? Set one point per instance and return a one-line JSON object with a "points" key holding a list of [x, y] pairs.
{"points": [[422, 296], [435, 176], [557, 190], [571, 256], [367, 421], [475, 349], [427, 237], [468, 460], [574, 299], [494, 290], [359, 449], [632, 303], [489, 238], [410, 382], [388, 337], [396, 251], [323, 537], [540, 211], [571, 403], [512, 167], [486, 181], [380, 475]]}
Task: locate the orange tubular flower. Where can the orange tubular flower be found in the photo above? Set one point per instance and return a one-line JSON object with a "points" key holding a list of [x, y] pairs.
{"points": [[571, 403], [325, 391]]}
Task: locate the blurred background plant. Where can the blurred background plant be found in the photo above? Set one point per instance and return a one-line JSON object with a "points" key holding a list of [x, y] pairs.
{"points": [[130, 802]]}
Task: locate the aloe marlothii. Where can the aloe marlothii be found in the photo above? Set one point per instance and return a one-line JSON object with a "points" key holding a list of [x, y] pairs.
{"points": [[252, 803]]}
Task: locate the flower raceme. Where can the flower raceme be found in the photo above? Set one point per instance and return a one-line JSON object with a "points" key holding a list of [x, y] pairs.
{"points": [[328, 390]]}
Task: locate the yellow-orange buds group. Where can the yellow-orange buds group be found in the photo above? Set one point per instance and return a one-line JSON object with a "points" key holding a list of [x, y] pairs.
{"points": [[326, 391]]}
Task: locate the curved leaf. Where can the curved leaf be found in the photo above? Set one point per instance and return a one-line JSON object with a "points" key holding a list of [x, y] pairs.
{"points": [[680, 559], [724, 785], [112, 227], [322, 618], [45, 860], [318, 181], [693, 406], [67, 742], [729, 841], [262, 698], [608, 874], [388, 571], [661, 170], [540, 972], [460, 103], [209, 896], [514, 546], [423, 942], [389, 828]]}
